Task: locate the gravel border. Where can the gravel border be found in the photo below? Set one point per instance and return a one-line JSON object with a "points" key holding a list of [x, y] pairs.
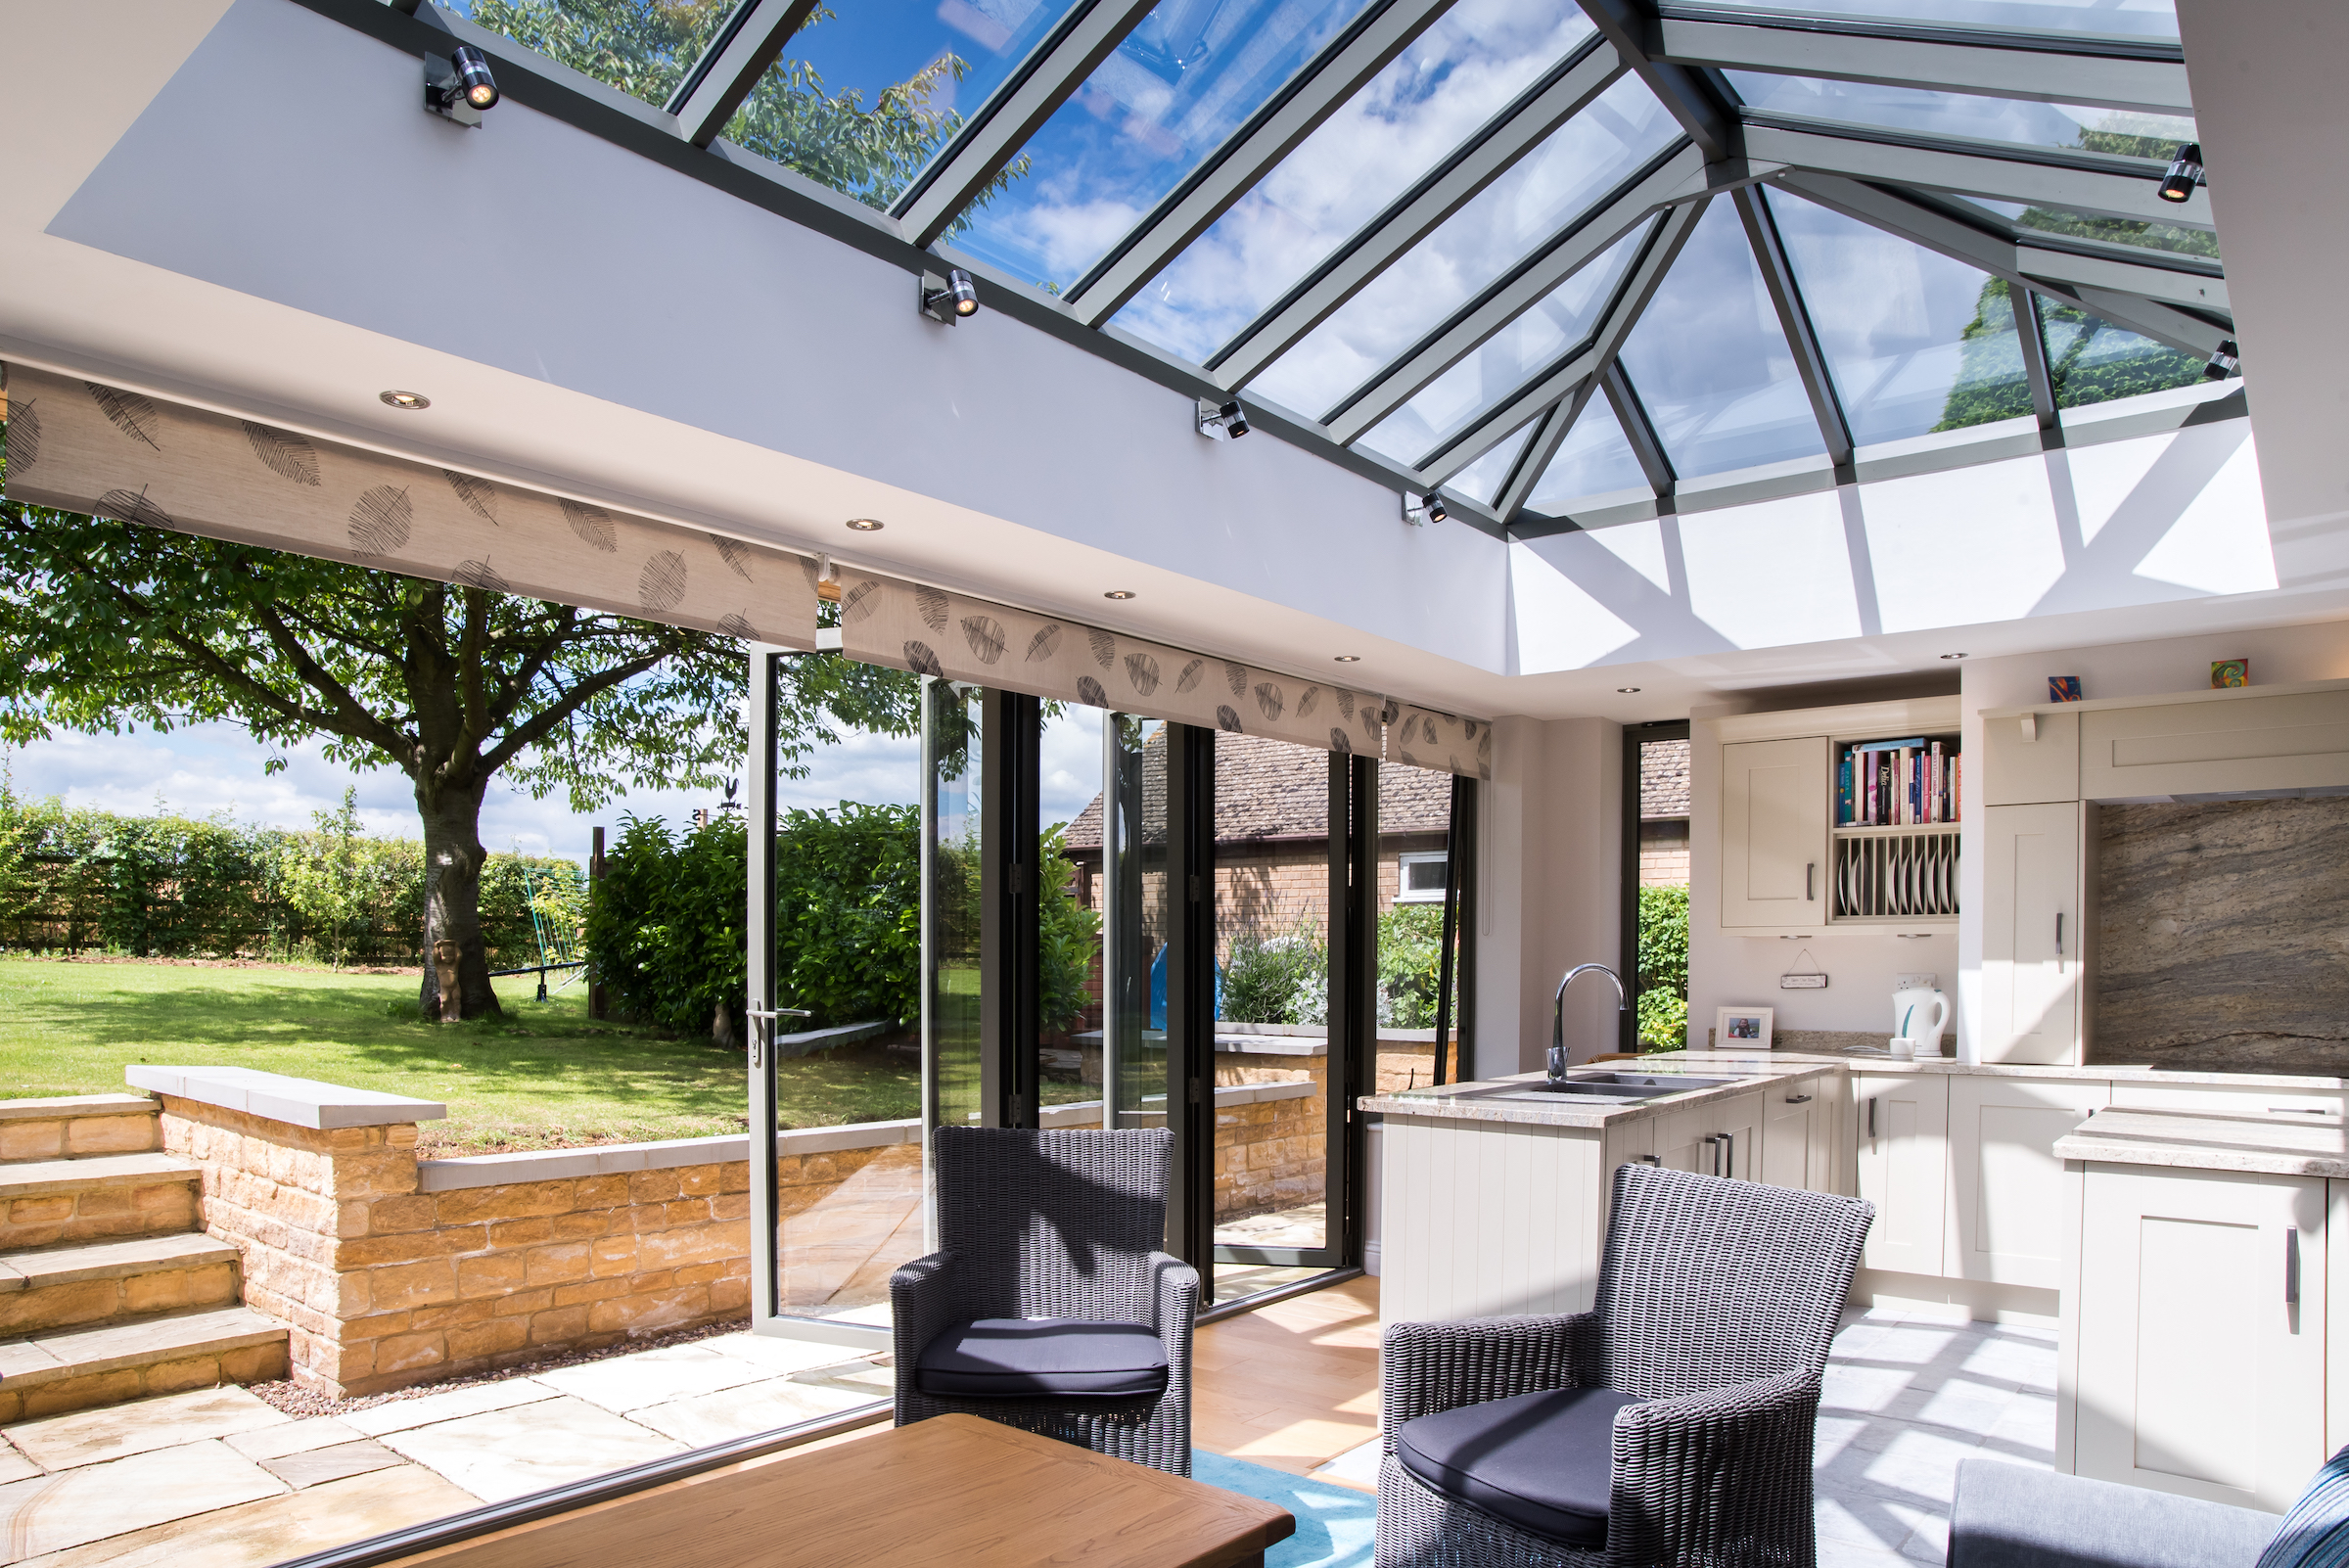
{"points": [[293, 1399]]}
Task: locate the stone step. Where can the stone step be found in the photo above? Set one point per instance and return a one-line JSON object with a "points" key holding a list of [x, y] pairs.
{"points": [[95, 1198], [77, 1368], [62, 1126], [97, 1281]]}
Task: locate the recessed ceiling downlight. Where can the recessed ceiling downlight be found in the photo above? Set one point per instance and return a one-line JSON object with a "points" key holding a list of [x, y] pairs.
{"points": [[1953, 656], [406, 400], [866, 525], [1118, 593], [1348, 658], [1625, 691]]}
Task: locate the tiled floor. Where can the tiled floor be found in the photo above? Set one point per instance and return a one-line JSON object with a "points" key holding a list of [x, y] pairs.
{"points": [[216, 1479]]}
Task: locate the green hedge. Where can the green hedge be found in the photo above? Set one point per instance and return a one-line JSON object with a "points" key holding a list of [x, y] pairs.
{"points": [[78, 880], [1663, 1005]]}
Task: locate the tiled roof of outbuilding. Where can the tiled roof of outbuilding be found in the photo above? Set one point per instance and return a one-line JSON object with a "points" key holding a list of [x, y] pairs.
{"points": [[1664, 779], [1269, 789]]}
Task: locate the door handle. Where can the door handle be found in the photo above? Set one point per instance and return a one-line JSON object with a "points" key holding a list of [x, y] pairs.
{"points": [[1716, 1142], [2059, 941], [1798, 1099], [1810, 869], [769, 1014], [1728, 1154], [1871, 1120], [2292, 1266], [1649, 1159]]}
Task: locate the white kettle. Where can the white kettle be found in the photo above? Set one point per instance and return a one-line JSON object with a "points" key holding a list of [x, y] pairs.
{"points": [[1919, 1011]]}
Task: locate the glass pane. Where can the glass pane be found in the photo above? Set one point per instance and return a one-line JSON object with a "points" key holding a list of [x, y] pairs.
{"points": [[1594, 459], [642, 47], [2071, 126], [2093, 362], [1446, 84], [1482, 479], [1179, 84], [1661, 984], [955, 904], [1915, 340], [1138, 914], [1414, 817], [1068, 919], [1709, 364], [1528, 345], [1272, 923], [2112, 18], [868, 92], [2130, 231], [848, 951], [1543, 192]]}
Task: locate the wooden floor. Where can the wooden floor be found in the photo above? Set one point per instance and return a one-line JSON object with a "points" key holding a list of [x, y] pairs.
{"points": [[1292, 1385]]}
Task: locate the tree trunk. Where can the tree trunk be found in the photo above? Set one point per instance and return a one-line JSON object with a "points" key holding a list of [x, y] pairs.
{"points": [[453, 857]]}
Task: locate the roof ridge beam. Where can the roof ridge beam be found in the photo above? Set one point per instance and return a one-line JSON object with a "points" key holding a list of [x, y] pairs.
{"points": [[1233, 169], [1410, 217], [1052, 72], [1539, 391], [1964, 65], [1679, 176], [729, 70], [1762, 237]]}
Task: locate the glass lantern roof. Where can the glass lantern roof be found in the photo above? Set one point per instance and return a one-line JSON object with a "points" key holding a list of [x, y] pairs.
{"points": [[1487, 246]]}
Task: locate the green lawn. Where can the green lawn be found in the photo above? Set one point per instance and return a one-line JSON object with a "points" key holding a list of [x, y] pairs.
{"points": [[542, 1077]]}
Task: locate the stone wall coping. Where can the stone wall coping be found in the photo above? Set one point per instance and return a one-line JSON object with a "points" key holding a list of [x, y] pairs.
{"points": [[275, 1097], [58, 1107], [618, 1159], [1087, 1113]]}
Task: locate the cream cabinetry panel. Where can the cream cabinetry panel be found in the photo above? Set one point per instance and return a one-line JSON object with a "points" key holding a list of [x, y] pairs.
{"points": [[2336, 1313], [2249, 1100], [1719, 1139], [1799, 1129], [2005, 1182], [1902, 1131], [2215, 746], [1774, 800], [2198, 1370], [2025, 768], [2032, 931], [1485, 1220]]}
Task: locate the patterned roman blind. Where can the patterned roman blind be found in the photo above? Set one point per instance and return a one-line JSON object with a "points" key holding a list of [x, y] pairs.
{"points": [[82, 446], [888, 621]]}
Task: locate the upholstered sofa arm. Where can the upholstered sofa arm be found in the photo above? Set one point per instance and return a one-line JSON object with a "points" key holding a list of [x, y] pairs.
{"points": [[1426, 1368], [2008, 1516]]}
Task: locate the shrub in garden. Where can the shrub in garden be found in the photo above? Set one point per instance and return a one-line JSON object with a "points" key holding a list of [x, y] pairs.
{"points": [[1663, 1004], [1277, 980]]}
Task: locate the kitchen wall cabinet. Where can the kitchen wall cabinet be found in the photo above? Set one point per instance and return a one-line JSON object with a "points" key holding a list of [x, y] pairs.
{"points": [[1901, 1131], [2005, 1181], [2034, 931], [2196, 1314], [1774, 804], [2030, 759], [2225, 742]]}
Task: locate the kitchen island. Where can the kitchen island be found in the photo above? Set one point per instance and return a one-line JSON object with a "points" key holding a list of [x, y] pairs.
{"points": [[1495, 1193]]}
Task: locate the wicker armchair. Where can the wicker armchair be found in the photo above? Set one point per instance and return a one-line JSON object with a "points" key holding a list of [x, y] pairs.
{"points": [[1049, 1305], [1672, 1425]]}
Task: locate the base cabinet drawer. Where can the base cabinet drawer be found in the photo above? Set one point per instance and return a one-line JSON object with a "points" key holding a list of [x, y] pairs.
{"points": [[2201, 1323]]}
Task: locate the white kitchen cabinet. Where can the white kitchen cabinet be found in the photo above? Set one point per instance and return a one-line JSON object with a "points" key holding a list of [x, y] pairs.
{"points": [[2198, 1330], [1774, 800], [2028, 760], [2336, 1313], [2031, 933], [1718, 1138], [2005, 1181], [1902, 1128], [2212, 742], [1798, 1133]]}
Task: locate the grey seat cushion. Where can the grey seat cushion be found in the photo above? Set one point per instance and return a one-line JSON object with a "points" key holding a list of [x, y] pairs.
{"points": [[2008, 1516], [1024, 1357], [1542, 1461]]}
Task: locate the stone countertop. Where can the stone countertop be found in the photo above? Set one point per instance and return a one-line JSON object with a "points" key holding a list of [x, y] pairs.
{"points": [[2274, 1144], [1879, 1060], [1470, 1102]]}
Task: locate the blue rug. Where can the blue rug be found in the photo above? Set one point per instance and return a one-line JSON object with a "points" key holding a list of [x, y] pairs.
{"points": [[1333, 1523]]}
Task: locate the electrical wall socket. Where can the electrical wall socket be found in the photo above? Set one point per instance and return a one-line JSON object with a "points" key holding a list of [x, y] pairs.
{"points": [[1914, 981]]}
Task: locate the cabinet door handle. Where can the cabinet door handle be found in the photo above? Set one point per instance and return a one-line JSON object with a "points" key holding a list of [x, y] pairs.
{"points": [[1649, 1159], [1810, 870], [2059, 941], [1716, 1142], [1872, 1118], [1798, 1099], [1728, 1154], [2292, 1266]]}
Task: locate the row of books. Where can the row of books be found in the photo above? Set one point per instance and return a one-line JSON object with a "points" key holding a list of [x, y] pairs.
{"points": [[1897, 783]]}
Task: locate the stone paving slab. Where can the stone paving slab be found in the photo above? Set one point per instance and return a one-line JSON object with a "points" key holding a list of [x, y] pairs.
{"points": [[256, 1534], [401, 1414], [315, 1467], [295, 1437], [736, 1413], [140, 1342], [60, 1106], [14, 1466], [117, 1260], [53, 1512], [34, 1178], [118, 1431], [506, 1453], [629, 1383]]}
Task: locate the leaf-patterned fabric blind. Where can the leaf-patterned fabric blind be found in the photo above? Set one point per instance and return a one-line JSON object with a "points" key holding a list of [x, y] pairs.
{"points": [[888, 621], [1424, 737], [85, 447]]}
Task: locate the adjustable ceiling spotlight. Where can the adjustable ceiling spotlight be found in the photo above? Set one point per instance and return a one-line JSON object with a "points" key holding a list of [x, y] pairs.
{"points": [[950, 299], [1221, 421], [827, 578], [460, 87], [1420, 511], [2185, 172], [2225, 361]]}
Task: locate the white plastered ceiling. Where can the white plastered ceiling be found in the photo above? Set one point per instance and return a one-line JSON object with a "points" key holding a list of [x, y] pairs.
{"points": [[243, 206]]}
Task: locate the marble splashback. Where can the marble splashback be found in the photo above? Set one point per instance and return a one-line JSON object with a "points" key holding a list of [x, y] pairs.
{"points": [[2223, 936]]}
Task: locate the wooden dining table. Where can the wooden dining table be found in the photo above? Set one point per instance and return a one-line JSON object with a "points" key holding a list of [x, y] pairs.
{"points": [[953, 1489]]}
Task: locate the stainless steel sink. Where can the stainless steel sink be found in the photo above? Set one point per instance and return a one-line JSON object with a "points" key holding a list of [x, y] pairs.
{"points": [[1666, 1082], [1602, 1089]]}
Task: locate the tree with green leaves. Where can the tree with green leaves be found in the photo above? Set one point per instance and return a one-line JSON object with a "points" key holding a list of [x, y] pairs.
{"points": [[2089, 360]]}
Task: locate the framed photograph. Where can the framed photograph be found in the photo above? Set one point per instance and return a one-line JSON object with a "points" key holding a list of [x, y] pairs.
{"points": [[1742, 1029]]}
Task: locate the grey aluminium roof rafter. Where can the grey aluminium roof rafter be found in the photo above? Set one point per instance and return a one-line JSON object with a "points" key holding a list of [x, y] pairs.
{"points": [[2107, 74], [993, 136], [1483, 158], [1548, 437], [1794, 320], [1640, 432], [730, 67], [1705, 114], [1358, 54], [2034, 345], [1545, 388]]}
